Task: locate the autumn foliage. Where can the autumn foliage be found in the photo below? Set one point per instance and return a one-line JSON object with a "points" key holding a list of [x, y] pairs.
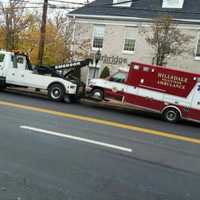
{"points": [[20, 29]]}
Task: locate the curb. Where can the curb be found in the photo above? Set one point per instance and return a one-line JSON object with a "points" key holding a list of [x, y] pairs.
{"points": [[105, 104]]}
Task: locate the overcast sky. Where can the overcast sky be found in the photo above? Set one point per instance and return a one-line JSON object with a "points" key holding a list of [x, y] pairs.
{"points": [[54, 2], [76, 1], [40, 1]]}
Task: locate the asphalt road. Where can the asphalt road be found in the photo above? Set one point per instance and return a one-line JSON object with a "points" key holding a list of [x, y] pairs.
{"points": [[47, 156]]}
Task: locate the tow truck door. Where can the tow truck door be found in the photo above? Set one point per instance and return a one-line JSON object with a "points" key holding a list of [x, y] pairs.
{"points": [[27, 76], [2, 64], [13, 72], [22, 69]]}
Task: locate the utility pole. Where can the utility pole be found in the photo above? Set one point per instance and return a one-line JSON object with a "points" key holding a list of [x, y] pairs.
{"points": [[42, 33]]}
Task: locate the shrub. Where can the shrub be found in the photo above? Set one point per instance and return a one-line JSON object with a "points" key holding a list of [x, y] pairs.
{"points": [[105, 72]]}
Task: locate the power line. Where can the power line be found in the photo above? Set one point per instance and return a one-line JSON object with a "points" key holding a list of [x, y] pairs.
{"points": [[71, 2], [23, 7], [57, 6], [40, 3], [51, 6], [36, 5]]}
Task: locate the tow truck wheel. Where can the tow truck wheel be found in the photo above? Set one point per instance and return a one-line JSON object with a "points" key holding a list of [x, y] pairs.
{"points": [[171, 115], [97, 94], [3, 86], [56, 92]]}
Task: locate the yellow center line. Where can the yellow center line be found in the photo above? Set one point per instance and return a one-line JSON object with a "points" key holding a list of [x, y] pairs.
{"points": [[103, 122]]}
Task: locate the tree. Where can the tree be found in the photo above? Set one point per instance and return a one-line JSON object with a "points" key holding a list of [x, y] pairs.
{"points": [[13, 22], [2, 38], [65, 28], [70, 47], [73, 48], [20, 29], [167, 40], [29, 37]]}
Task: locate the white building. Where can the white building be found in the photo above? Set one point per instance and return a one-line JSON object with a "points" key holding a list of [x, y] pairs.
{"points": [[114, 27]]}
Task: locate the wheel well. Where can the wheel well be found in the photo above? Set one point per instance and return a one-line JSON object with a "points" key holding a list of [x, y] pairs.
{"points": [[96, 87], [56, 83], [99, 88], [172, 107]]}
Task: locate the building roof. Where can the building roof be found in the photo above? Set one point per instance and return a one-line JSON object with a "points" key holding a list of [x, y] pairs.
{"points": [[140, 9]]}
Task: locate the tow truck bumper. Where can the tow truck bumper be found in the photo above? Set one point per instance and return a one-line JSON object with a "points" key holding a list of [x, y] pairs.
{"points": [[88, 89], [80, 90]]}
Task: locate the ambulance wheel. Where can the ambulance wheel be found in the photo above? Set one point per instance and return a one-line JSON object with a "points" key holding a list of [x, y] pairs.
{"points": [[56, 92], [97, 94], [171, 115]]}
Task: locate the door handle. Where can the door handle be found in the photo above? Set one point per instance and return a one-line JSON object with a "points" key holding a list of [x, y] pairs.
{"points": [[114, 89]]}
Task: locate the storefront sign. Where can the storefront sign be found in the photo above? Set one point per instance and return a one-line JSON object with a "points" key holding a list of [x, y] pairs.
{"points": [[113, 60]]}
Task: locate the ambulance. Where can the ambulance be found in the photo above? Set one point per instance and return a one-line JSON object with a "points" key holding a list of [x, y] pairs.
{"points": [[173, 93]]}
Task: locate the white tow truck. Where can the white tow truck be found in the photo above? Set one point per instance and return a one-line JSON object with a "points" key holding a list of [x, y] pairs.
{"points": [[16, 70]]}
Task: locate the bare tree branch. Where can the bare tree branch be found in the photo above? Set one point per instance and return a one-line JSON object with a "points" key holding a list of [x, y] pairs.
{"points": [[167, 40]]}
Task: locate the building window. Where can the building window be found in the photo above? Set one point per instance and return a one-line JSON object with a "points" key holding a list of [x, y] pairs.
{"points": [[14, 61], [129, 44], [122, 3], [197, 54], [172, 3], [2, 57], [98, 36]]}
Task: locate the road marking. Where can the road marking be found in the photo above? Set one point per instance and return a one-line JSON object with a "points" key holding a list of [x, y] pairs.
{"points": [[104, 122], [76, 138]]}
